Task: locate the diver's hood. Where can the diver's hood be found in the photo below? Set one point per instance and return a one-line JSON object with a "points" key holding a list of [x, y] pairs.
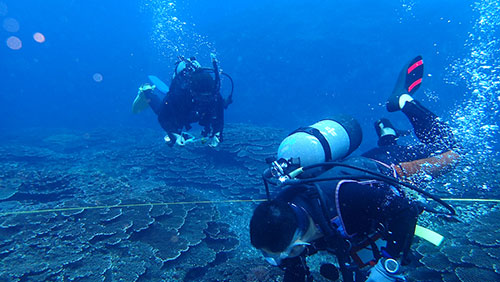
{"points": [[302, 218]]}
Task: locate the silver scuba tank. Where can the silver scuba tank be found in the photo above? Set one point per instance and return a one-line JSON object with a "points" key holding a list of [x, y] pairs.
{"points": [[327, 140]]}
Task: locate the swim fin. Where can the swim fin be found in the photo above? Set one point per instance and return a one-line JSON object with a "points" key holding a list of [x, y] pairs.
{"points": [[408, 82], [141, 102], [160, 85]]}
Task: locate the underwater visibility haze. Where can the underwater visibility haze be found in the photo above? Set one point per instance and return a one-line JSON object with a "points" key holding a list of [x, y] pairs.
{"points": [[89, 191]]}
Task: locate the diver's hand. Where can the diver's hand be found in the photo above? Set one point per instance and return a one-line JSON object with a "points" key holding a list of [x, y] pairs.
{"points": [[188, 138], [215, 140], [181, 139], [174, 139], [170, 139], [386, 270]]}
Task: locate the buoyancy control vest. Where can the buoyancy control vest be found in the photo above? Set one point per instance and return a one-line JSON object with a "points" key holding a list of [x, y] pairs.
{"points": [[320, 201], [328, 190]]}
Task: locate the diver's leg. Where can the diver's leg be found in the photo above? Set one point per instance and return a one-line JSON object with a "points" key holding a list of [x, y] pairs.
{"points": [[169, 123], [387, 134], [218, 122], [154, 101], [428, 127]]}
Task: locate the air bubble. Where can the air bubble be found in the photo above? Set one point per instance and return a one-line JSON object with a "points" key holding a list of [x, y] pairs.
{"points": [[97, 77]]}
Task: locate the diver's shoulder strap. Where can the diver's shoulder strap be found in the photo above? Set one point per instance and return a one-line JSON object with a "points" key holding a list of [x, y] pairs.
{"points": [[337, 244], [312, 198], [318, 208]]}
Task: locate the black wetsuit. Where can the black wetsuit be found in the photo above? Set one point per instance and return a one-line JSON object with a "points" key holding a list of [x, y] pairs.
{"points": [[183, 106], [435, 137], [350, 210]]}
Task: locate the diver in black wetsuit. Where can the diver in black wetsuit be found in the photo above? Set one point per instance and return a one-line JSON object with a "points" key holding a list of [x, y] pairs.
{"points": [[194, 96], [348, 206]]}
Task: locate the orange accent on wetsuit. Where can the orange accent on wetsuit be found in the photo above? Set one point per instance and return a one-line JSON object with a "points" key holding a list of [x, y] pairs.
{"points": [[433, 166]]}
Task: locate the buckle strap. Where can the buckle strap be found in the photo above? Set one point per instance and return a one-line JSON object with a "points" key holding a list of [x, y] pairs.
{"points": [[322, 140]]}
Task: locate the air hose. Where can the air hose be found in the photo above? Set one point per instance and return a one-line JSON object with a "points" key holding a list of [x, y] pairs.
{"points": [[374, 175]]}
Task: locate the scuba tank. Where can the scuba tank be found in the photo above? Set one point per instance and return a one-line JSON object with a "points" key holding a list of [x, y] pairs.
{"points": [[325, 141], [186, 65], [309, 151]]}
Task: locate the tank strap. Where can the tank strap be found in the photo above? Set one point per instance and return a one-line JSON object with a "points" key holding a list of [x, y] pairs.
{"points": [[322, 140]]}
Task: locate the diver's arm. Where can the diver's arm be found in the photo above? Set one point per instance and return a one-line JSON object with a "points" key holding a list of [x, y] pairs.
{"points": [[361, 205], [216, 71], [401, 219]]}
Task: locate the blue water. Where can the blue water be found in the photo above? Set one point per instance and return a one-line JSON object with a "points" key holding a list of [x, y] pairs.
{"points": [[292, 62]]}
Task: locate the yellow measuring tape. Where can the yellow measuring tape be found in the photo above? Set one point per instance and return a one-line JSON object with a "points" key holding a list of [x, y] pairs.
{"points": [[193, 202], [129, 206], [471, 200]]}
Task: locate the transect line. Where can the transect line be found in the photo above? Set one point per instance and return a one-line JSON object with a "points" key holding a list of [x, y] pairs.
{"points": [[196, 202], [471, 200], [130, 205]]}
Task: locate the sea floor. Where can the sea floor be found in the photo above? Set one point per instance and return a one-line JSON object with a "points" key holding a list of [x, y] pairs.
{"points": [[120, 205]]}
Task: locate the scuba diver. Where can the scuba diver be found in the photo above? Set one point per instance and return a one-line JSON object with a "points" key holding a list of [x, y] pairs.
{"points": [[356, 208], [193, 96]]}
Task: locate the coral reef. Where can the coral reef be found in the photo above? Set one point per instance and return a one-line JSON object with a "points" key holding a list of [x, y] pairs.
{"points": [[470, 249], [116, 205], [129, 236]]}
